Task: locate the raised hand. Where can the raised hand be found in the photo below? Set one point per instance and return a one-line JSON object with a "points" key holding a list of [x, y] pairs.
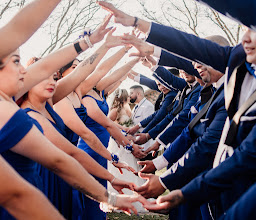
{"points": [[144, 49], [142, 138], [118, 185], [154, 147], [148, 166], [120, 17], [164, 203], [148, 61], [133, 130], [113, 41], [137, 151], [123, 165], [152, 188], [101, 30]]}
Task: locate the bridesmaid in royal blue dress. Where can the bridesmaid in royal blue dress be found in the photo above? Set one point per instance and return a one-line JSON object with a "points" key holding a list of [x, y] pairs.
{"points": [[91, 209], [56, 189], [26, 167], [29, 142], [102, 126], [37, 104]]}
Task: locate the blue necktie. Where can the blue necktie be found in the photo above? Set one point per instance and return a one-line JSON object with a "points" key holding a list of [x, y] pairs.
{"points": [[250, 69]]}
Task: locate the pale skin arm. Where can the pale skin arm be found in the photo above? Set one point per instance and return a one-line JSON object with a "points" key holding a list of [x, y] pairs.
{"points": [[116, 75], [97, 115], [51, 157], [127, 20], [100, 72], [123, 18], [46, 66], [60, 163], [115, 85], [65, 109], [87, 162], [21, 199], [23, 26]]}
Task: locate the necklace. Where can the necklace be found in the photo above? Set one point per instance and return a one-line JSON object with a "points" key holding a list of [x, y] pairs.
{"points": [[34, 107]]}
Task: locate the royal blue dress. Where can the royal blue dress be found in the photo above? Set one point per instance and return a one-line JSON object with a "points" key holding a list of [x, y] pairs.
{"points": [[77, 201], [91, 210], [56, 189], [12, 132], [70, 135]]}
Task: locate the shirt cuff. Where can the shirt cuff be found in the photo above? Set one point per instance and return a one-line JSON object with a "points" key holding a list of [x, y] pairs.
{"points": [[159, 141], [148, 31], [160, 162], [137, 78], [157, 52], [162, 183]]}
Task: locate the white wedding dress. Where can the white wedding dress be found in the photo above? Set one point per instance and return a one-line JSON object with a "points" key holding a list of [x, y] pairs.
{"points": [[125, 156]]}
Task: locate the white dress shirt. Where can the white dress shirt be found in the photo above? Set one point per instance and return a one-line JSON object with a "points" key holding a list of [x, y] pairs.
{"points": [[141, 111]]}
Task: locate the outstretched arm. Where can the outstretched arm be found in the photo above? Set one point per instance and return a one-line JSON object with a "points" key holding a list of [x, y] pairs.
{"points": [[71, 119], [29, 141], [101, 70], [116, 75], [125, 19], [24, 24], [45, 67], [21, 199], [97, 115]]}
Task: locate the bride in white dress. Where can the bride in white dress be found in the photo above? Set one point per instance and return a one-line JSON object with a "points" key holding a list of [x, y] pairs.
{"points": [[120, 112]]}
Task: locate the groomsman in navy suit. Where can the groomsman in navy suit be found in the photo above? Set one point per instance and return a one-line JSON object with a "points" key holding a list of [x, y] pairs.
{"points": [[238, 137]]}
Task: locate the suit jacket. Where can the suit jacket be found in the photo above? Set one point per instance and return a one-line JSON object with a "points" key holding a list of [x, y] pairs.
{"points": [[200, 154], [158, 115], [242, 163], [150, 83], [244, 208], [168, 59], [178, 122], [241, 11]]}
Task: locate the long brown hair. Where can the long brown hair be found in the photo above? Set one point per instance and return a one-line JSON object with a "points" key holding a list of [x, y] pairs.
{"points": [[121, 96]]}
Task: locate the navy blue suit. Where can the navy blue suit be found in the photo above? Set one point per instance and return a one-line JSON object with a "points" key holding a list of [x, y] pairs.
{"points": [[168, 59], [242, 11], [158, 115], [244, 208], [150, 83], [178, 121], [237, 173], [201, 152]]}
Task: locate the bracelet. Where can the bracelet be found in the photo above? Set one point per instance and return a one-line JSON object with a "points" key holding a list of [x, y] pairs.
{"points": [[124, 132], [135, 22], [78, 48], [115, 158], [112, 199], [129, 147], [87, 41], [113, 180]]}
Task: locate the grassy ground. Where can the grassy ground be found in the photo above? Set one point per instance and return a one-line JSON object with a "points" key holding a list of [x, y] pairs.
{"points": [[150, 216]]}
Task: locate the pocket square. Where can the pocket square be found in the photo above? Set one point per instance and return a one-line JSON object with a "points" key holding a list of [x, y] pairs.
{"points": [[193, 110], [204, 120]]}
